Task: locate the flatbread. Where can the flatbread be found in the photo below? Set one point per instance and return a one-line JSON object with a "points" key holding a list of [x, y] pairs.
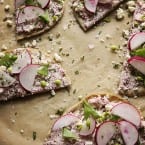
{"points": [[16, 89], [75, 110], [87, 20], [129, 84], [54, 10]]}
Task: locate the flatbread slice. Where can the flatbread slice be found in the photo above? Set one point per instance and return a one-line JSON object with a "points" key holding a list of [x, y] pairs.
{"points": [[25, 72], [98, 119], [132, 79], [88, 19], [33, 17]]}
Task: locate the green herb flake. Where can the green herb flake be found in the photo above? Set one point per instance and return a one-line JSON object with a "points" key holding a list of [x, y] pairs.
{"points": [[58, 82], [89, 111], [45, 17], [8, 60], [67, 134], [60, 111], [34, 135], [139, 52], [30, 2], [43, 71]]}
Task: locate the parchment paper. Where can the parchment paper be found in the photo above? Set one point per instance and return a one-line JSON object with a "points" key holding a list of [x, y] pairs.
{"points": [[96, 74]]}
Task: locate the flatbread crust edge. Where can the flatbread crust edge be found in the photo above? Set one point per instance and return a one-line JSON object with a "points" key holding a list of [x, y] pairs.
{"points": [[20, 37], [78, 105], [96, 20]]}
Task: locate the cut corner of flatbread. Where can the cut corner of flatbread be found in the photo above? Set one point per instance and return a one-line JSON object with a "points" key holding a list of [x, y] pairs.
{"points": [[86, 20]]}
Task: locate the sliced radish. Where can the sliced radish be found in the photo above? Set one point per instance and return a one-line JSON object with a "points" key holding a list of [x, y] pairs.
{"points": [[5, 79], [127, 112], [105, 132], [65, 120], [105, 1], [129, 132], [27, 76], [91, 5], [23, 60], [85, 130], [29, 13], [44, 3], [19, 3], [136, 40], [138, 63]]}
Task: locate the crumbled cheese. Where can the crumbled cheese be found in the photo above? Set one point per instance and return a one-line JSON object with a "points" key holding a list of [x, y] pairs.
{"points": [[53, 93], [7, 7], [57, 58], [21, 131], [125, 33], [131, 9], [27, 44], [142, 25], [1, 90], [91, 46], [4, 47], [120, 14], [80, 97], [131, 3], [102, 40], [53, 116], [9, 23], [3, 68], [34, 43]]}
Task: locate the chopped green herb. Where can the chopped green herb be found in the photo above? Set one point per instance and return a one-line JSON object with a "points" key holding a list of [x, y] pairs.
{"points": [[43, 71], [45, 17], [76, 72], [114, 118], [139, 52], [68, 134], [89, 111], [8, 60], [88, 123], [114, 48], [30, 2], [34, 135], [116, 65], [60, 111]]}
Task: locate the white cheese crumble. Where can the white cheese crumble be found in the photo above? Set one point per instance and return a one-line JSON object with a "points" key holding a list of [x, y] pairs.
{"points": [[7, 7], [9, 23], [4, 47], [91, 46], [1, 1], [57, 58], [120, 14]]}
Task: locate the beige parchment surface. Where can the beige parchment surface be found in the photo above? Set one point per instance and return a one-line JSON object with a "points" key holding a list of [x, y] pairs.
{"points": [[96, 74]]}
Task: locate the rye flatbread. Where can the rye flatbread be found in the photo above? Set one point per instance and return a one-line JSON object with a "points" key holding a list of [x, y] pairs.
{"points": [[132, 82], [25, 72], [33, 18], [102, 103], [87, 19]]}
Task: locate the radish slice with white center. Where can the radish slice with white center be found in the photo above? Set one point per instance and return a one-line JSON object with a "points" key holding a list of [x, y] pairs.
{"points": [[29, 13], [44, 3], [138, 63], [65, 120], [105, 132], [88, 130], [136, 40], [23, 60], [127, 112], [105, 1], [5, 79], [91, 5], [129, 132], [27, 76]]}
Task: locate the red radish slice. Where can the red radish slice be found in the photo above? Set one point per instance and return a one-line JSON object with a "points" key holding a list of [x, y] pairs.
{"points": [[5, 79], [127, 112], [85, 131], [136, 40], [105, 1], [138, 63], [105, 132], [29, 13], [44, 3], [23, 60], [18, 3], [27, 76], [129, 132], [65, 120], [91, 5]]}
